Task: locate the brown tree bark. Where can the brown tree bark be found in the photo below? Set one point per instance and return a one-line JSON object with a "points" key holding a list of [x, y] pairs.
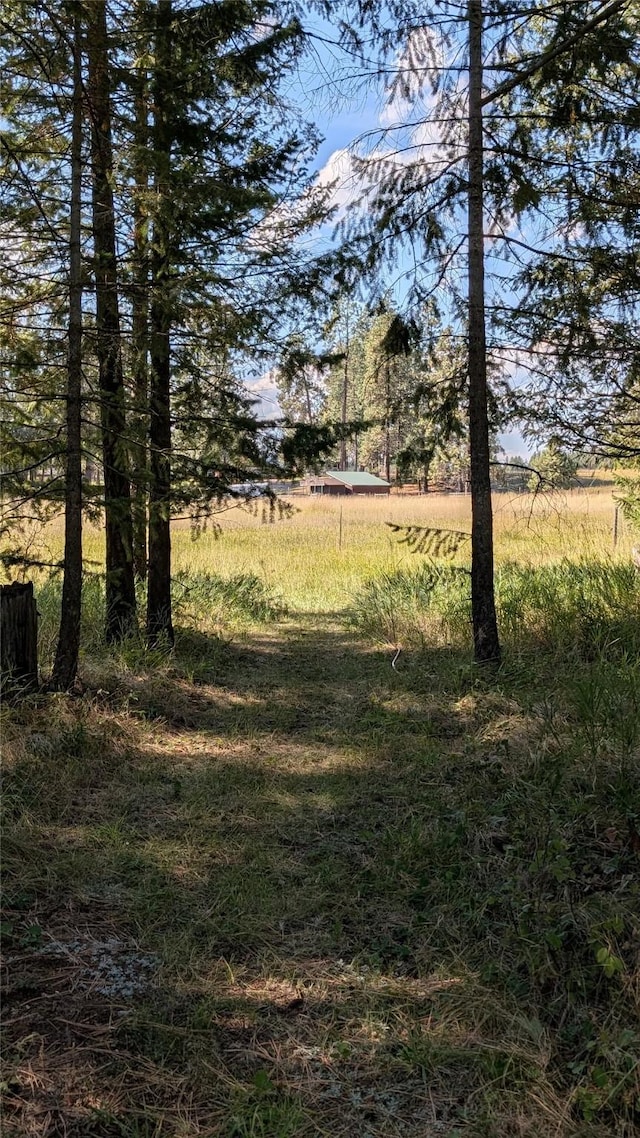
{"points": [[159, 622], [120, 617], [485, 626], [345, 395], [18, 638], [387, 420], [140, 313], [66, 660]]}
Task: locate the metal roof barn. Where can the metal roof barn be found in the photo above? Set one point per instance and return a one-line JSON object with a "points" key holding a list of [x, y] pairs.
{"points": [[348, 482]]}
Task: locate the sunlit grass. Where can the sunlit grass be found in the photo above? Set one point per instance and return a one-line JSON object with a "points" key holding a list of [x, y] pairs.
{"points": [[316, 558], [327, 547], [391, 901]]}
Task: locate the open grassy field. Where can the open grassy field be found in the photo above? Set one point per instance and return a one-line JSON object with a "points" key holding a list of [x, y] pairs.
{"points": [[272, 886], [324, 550]]}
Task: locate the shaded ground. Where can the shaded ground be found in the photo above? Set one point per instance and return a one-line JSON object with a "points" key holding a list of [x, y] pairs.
{"points": [[285, 889]]}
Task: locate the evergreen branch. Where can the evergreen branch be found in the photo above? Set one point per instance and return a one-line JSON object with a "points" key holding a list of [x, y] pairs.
{"points": [[12, 559], [552, 53], [427, 539], [32, 192]]}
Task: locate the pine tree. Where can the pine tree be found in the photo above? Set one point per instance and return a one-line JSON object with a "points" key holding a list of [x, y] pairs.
{"points": [[204, 176], [581, 293], [66, 660], [403, 397], [299, 383], [120, 617], [477, 154], [159, 623], [42, 284], [345, 333], [483, 607], [50, 50], [139, 286], [223, 258], [37, 98]]}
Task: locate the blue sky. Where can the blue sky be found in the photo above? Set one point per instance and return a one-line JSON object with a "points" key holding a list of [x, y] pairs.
{"points": [[342, 116]]}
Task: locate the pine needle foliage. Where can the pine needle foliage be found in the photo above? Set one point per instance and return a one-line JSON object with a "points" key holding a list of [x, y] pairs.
{"points": [[427, 539]]}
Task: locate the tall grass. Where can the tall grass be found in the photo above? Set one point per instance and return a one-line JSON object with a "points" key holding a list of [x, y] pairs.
{"points": [[372, 900], [202, 602], [569, 609], [322, 552], [210, 600], [585, 607]]}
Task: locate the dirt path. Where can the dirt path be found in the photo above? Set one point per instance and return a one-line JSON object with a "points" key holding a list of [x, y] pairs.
{"points": [[227, 878]]}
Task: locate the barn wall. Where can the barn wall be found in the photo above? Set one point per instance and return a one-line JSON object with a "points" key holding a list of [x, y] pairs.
{"points": [[371, 489], [328, 488]]}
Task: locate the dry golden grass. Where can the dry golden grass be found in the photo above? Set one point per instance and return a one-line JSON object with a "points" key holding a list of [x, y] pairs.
{"points": [[317, 557]]}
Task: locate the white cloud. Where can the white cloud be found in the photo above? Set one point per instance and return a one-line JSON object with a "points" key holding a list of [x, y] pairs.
{"points": [[417, 65], [417, 127], [349, 181], [265, 392], [290, 219], [339, 175]]}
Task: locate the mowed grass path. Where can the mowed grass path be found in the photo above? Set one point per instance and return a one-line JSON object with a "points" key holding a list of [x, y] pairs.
{"points": [[293, 863], [247, 838], [275, 887]]}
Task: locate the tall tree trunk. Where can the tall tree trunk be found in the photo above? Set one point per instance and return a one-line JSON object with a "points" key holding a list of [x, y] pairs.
{"points": [[140, 316], [66, 662], [345, 396], [159, 623], [120, 592], [483, 609], [387, 425]]}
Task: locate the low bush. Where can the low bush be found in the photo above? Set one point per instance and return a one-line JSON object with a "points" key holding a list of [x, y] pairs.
{"points": [[568, 608], [243, 597]]}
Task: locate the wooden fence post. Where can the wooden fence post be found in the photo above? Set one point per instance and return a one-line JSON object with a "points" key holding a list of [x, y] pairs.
{"points": [[18, 637]]}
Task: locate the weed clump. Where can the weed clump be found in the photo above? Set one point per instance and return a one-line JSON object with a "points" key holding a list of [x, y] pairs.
{"points": [[413, 607], [202, 602], [569, 609], [243, 597]]}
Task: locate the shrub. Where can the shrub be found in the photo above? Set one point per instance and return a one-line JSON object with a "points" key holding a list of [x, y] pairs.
{"points": [[568, 608]]}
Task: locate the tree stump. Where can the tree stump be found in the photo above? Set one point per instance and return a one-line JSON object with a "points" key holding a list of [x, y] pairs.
{"points": [[18, 638]]}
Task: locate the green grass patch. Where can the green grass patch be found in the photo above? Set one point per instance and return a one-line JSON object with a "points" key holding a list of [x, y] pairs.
{"points": [[568, 609], [270, 885], [204, 604]]}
